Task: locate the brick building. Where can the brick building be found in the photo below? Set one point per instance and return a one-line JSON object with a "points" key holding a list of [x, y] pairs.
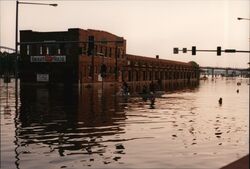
{"points": [[65, 57], [80, 56]]}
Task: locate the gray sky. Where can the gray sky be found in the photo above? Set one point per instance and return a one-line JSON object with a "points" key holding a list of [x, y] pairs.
{"points": [[151, 27]]}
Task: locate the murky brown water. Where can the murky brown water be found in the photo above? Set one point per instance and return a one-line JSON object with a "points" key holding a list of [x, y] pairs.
{"points": [[54, 128]]}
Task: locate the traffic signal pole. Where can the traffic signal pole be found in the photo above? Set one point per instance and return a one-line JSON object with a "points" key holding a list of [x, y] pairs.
{"points": [[218, 51]]}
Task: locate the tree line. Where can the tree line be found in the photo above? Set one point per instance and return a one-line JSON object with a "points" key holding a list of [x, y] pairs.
{"points": [[7, 63]]}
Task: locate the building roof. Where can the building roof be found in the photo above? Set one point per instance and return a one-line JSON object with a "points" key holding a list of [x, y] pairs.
{"points": [[154, 59]]}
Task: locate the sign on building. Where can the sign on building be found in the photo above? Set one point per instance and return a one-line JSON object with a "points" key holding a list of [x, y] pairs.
{"points": [[42, 77], [99, 77], [59, 58]]}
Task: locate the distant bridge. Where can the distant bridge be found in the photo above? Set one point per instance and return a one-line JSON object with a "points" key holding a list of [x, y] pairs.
{"points": [[241, 70], [224, 68]]}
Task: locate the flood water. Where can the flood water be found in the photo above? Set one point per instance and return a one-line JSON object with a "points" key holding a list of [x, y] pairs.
{"points": [[57, 128]]}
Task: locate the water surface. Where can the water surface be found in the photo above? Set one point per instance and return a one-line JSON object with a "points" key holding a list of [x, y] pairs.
{"points": [[68, 128]]}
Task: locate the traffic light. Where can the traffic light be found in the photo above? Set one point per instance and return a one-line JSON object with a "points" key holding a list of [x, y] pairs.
{"points": [[184, 50], [176, 50], [91, 45], [218, 50], [193, 50], [230, 50]]}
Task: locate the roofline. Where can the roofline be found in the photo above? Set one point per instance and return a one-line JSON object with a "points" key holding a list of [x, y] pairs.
{"points": [[153, 58], [80, 29]]}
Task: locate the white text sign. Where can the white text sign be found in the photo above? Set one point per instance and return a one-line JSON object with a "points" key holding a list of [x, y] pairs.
{"points": [[59, 58]]}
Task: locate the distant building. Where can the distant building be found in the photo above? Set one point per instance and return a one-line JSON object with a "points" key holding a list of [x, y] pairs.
{"points": [[70, 57]]}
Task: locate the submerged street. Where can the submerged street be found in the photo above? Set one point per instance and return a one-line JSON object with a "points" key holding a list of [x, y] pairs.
{"points": [[65, 128]]}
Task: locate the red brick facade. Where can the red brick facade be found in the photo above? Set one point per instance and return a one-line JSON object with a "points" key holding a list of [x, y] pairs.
{"points": [[64, 57]]}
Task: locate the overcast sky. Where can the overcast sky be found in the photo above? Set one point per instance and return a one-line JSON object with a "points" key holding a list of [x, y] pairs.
{"points": [[151, 27]]}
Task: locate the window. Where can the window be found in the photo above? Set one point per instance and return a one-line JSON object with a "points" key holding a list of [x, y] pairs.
{"points": [[130, 76], [166, 75], [161, 75], [96, 49], [41, 50], [144, 76], [89, 70], [28, 50], [84, 48], [100, 49], [59, 51], [137, 76], [106, 51], [150, 76], [47, 50], [62, 48], [110, 52], [156, 76], [121, 53], [104, 41]]}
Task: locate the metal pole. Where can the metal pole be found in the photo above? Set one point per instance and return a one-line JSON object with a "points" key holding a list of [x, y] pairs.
{"points": [[103, 76], [248, 72], [17, 43], [116, 65], [37, 3], [0, 116], [16, 59], [93, 69]]}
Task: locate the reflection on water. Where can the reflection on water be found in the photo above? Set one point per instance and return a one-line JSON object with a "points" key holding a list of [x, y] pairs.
{"points": [[94, 128], [71, 123]]}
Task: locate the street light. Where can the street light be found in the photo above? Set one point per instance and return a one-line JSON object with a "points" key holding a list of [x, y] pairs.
{"points": [[32, 3], [16, 40]]}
